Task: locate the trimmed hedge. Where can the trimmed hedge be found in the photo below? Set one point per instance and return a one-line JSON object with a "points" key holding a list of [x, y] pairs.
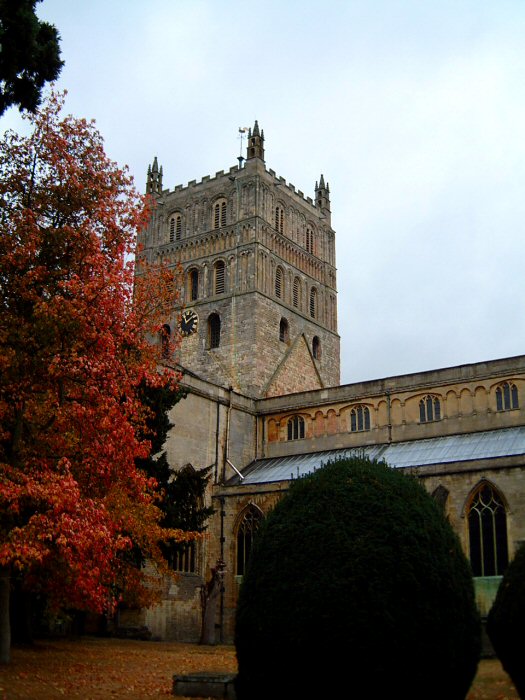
{"points": [[506, 621], [357, 587]]}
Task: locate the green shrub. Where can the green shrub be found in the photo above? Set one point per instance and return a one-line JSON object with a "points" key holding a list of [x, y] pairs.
{"points": [[357, 587], [506, 621]]}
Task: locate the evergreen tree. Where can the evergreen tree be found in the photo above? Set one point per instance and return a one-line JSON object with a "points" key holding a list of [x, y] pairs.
{"points": [[29, 55], [356, 572]]}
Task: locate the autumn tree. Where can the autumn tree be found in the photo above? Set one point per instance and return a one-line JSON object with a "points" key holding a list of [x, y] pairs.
{"points": [[74, 353], [29, 55]]}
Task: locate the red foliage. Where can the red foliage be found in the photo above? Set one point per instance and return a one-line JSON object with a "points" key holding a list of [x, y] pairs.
{"points": [[73, 350]]}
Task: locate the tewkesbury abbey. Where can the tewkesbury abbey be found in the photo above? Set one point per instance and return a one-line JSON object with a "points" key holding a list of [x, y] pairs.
{"points": [[260, 357]]}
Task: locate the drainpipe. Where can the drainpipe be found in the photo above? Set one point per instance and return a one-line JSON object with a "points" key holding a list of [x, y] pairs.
{"points": [[389, 425], [221, 604]]}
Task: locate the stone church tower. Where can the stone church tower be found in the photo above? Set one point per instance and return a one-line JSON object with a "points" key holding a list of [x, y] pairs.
{"points": [[257, 260]]}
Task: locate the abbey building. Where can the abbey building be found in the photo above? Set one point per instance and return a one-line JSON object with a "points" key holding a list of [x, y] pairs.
{"points": [[260, 355]]}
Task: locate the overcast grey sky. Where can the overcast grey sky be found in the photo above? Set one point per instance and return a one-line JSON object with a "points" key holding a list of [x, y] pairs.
{"points": [[414, 111]]}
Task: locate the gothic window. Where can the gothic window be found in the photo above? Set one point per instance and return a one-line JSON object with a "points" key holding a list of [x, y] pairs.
{"points": [[359, 419], [175, 227], [283, 331], [279, 219], [440, 496], [506, 397], [429, 409], [165, 335], [214, 331], [219, 277], [313, 302], [296, 428], [487, 524], [309, 240], [193, 284], [296, 294], [246, 531], [279, 282], [183, 558], [316, 348], [219, 214]]}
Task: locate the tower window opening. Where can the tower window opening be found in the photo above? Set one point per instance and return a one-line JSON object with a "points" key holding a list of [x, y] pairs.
{"points": [[313, 302], [283, 331], [219, 277], [194, 284], [165, 336], [279, 282], [279, 219], [214, 331], [296, 292], [309, 240], [316, 348]]}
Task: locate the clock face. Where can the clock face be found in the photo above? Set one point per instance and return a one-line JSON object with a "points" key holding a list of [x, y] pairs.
{"points": [[188, 323]]}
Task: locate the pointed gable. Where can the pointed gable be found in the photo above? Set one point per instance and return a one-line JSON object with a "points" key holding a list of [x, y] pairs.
{"points": [[296, 372]]}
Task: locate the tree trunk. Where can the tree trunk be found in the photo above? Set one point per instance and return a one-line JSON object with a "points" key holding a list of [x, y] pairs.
{"points": [[5, 628]]}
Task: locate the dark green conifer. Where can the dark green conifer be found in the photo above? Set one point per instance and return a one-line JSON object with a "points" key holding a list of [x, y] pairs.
{"points": [[357, 587]]}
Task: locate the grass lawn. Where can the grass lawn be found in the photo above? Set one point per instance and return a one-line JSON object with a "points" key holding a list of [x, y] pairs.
{"points": [[101, 669]]}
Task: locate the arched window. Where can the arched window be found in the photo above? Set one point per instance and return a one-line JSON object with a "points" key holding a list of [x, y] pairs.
{"points": [[316, 348], [165, 335], [247, 529], [279, 282], [296, 294], [296, 428], [193, 284], [283, 331], [487, 524], [219, 277], [279, 219], [313, 302], [429, 409], [214, 330], [359, 419], [309, 240], [440, 495], [219, 214], [506, 397], [175, 227]]}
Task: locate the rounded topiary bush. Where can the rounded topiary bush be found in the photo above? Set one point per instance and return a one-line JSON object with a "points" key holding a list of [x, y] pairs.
{"points": [[357, 587], [506, 621]]}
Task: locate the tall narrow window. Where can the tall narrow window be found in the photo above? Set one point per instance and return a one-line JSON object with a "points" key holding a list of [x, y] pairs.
{"points": [[507, 397], [359, 419], [219, 277], [219, 214], [183, 558], [279, 219], [279, 282], [296, 428], [165, 335], [316, 348], [175, 227], [283, 331], [193, 284], [246, 531], [309, 240], [296, 296], [429, 409], [487, 523], [313, 302], [214, 331]]}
